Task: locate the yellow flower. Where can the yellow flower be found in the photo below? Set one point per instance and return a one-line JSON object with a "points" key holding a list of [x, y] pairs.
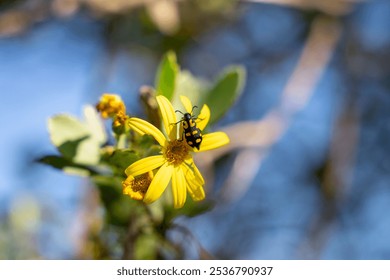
{"points": [[175, 161], [110, 105], [137, 187]]}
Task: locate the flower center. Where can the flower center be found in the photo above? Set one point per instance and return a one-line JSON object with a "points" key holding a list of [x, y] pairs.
{"points": [[176, 152], [141, 183], [138, 186]]}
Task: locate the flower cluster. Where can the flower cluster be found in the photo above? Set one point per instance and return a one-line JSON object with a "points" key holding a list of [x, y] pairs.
{"points": [[110, 105], [148, 177]]}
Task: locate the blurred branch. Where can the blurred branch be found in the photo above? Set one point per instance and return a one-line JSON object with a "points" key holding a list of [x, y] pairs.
{"points": [[337, 175], [17, 19], [169, 17], [254, 138], [343, 147]]}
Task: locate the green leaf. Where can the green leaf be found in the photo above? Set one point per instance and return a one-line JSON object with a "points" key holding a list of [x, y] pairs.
{"points": [[78, 141], [117, 206], [166, 75], [55, 161], [69, 148], [111, 182], [146, 146], [121, 159], [190, 86], [94, 124], [225, 91], [64, 128], [66, 165], [219, 96]]}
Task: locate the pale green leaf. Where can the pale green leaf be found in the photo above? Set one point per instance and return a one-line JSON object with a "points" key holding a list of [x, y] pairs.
{"points": [[166, 75], [65, 128], [190, 86], [122, 159], [225, 91], [95, 124], [78, 141]]}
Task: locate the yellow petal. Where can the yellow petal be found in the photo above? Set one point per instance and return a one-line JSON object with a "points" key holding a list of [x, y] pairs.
{"points": [[186, 103], [204, 117], [145, 165], [168, 115], [179, 190], [192, 166], [198, 175], [196, 191], [143, 127], [159, 183], [194, 186], [213, 140]]}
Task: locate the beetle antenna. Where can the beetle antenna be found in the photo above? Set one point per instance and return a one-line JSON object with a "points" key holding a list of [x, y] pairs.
{"points": [[193, 108], [179, 112]]}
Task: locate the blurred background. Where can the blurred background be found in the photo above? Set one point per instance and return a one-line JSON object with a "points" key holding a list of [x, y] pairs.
{"points": [[307, 173]]}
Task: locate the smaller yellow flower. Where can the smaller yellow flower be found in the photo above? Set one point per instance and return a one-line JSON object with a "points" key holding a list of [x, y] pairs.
{"points": [[136, 187], [110, 105]]}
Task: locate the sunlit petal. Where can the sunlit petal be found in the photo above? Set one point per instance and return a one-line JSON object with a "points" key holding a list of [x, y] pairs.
{"points": [[179, 190], [186, 103], [145, 165], [213, 140], [143, 127], [190, 164], [134, 195], [168, 116], [194, 186], [159, 183], [198, 175], [204, 117], [196, 191]]}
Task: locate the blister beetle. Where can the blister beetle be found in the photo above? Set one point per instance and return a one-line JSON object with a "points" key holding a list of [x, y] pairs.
{"points": [[191, 132]]}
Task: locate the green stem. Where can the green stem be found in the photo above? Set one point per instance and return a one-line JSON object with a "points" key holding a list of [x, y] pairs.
{"points": [[120, 141]]}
